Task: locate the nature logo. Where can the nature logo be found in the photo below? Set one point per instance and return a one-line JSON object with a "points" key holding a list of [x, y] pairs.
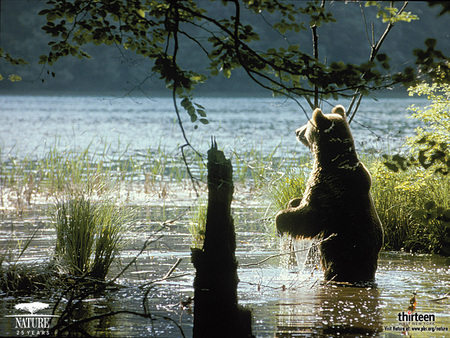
{"points": [[31, 323], [31, 307]]}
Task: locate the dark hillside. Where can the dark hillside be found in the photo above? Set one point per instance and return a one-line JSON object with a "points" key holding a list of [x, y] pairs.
{"points": [[114, 71]]}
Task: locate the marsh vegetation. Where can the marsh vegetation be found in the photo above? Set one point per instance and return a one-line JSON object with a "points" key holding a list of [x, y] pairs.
{"points": [[80, 222]]}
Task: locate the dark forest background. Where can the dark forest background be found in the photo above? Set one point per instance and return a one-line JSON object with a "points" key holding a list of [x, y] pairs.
{"points": [[114, 71]]}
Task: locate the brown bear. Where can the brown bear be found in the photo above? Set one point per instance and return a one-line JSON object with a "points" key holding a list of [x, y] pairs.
{"points": [[336, 204]]}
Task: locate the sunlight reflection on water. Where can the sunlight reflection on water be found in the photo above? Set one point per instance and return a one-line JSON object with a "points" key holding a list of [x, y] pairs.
{"points": [[31, 124], [286, 301]]}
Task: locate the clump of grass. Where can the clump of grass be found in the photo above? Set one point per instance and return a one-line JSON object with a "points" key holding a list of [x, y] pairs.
{"points": [[286, 188], [89, 235], [75, 231], [19, 277], [197, 223], [398, 197]]}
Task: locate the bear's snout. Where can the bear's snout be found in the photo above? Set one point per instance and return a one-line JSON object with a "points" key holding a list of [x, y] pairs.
{"points": [[301, 135]]}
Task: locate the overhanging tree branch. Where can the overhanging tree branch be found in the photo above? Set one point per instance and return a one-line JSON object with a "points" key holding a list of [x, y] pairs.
{"points": [[375, 48]]}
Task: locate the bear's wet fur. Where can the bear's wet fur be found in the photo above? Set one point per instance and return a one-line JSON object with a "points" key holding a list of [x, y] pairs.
{"points": [[336, 202]]}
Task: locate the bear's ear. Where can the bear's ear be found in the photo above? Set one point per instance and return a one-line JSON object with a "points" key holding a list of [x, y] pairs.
{"points": [[340, 110], [320, 120]]}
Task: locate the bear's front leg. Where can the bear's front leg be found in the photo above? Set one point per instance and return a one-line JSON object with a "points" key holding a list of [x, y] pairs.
{"points": [[300, 221]]}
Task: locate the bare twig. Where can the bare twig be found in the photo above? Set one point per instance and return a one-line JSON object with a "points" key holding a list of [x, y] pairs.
{"points": [[172, 269], [315, 42], [174, 98], [375, 47], [444, 297], [315, 39]]}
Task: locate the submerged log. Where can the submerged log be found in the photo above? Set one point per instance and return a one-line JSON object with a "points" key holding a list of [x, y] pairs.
{"points": [[216, 309]]}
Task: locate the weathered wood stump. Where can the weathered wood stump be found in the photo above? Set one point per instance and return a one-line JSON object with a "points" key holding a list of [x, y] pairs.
{"points": [[216, 309]]}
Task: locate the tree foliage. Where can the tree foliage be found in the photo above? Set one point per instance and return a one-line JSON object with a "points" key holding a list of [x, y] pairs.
{"points": [[430, 152], [430, 146], [154, 29], [13, 61]]}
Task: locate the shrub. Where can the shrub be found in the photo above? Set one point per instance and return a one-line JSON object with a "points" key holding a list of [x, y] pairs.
{"points": [[429, 158], [397, 197]]}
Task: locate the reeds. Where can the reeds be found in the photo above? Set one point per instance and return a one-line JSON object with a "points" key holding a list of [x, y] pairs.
{"points": [[19, 277], [197, 223], [399, 196], [89, 234]]}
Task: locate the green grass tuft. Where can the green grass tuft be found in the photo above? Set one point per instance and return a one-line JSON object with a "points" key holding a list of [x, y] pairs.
{"points": [[197, 223], [89, 235]]}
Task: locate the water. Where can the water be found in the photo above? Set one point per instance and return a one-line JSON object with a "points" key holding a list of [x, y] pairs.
{"points": [[31, 124], [286, 300]]}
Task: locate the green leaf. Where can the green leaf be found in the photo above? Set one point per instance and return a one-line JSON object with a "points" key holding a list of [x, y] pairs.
{"points": [[14, 78], [186, 103], [419, 214], [429, 205], [201, 112], [227, 72]]}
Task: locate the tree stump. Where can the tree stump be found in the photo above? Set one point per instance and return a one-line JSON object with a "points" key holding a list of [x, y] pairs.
{"points": [[216, 309]]}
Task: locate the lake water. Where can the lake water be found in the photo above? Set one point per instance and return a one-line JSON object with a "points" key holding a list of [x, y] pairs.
{"points": [[30, 124], [287, 301]]}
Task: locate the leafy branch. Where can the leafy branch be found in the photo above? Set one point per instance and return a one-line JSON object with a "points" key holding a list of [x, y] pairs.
{"points": [[150, 27]]}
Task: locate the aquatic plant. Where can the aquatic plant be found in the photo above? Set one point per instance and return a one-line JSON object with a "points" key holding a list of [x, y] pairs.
{"points": [[197, 223], [399, 199], [88, 235], [426, 166], [288, 186], [75, 231], [20, 277]]}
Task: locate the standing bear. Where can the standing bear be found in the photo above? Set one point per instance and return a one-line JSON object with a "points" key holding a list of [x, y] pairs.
{"points": [[336, 204]]}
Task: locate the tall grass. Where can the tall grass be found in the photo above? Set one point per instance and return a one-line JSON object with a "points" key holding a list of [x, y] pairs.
{"points": [[88, 235], [197, 223], [19, 277], [287, 187], [398, 197], [75, 233]]}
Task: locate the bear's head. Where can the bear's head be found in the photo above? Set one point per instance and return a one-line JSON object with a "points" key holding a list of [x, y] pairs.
{"points": [[328, 135]]}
